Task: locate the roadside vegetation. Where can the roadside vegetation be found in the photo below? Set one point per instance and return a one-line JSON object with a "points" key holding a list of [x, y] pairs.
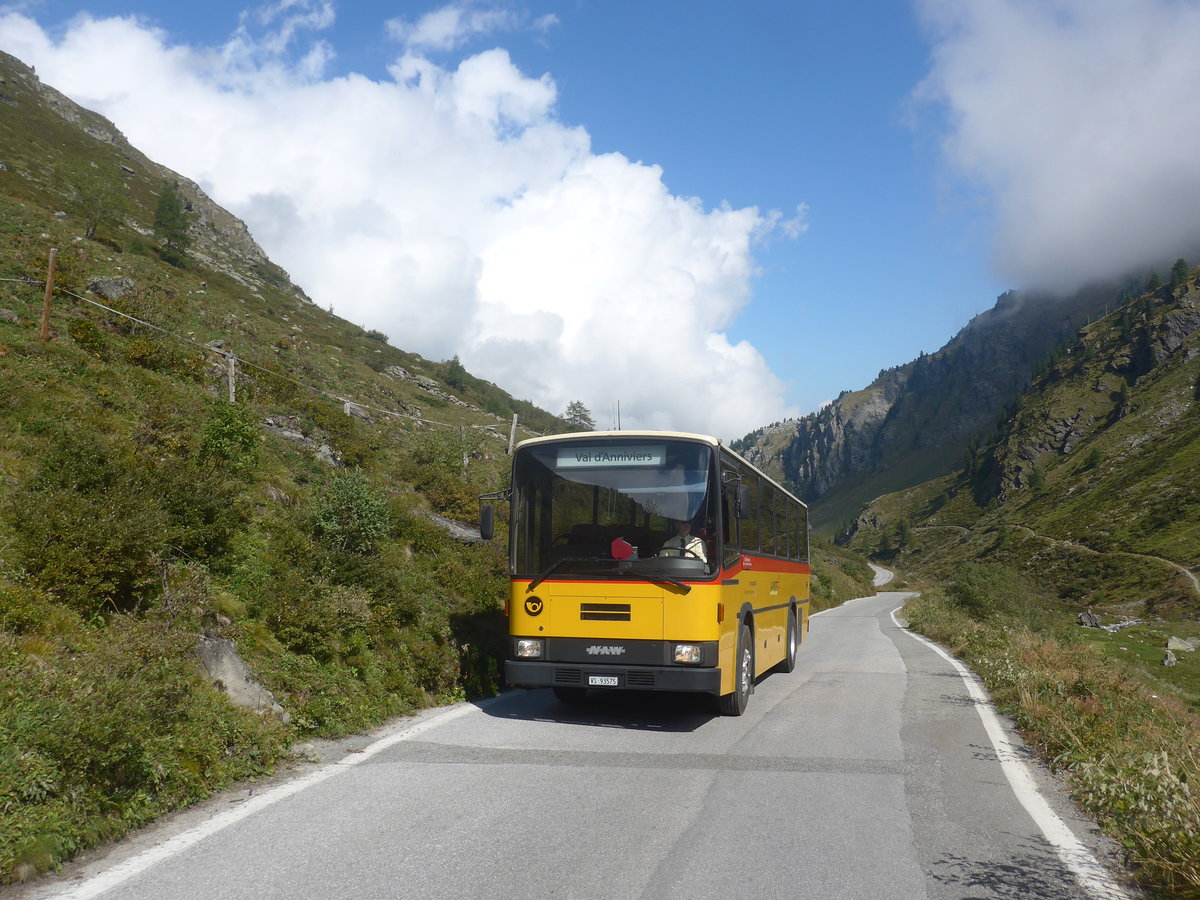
{"points": [[838, 575], [1130, 750]]}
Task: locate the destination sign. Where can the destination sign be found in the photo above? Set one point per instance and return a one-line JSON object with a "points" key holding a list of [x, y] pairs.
{"points": [[591, 456]]}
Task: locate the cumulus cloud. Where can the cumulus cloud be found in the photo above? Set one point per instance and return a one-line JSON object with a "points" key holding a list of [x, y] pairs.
{"points": [[1079, 119], [447, 207]]}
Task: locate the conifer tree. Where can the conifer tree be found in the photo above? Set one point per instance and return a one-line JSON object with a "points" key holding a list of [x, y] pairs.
{"points": [[95, 202], [171, 224], [1037, 480], [579, 416], [1179, 273], [456, 374]]}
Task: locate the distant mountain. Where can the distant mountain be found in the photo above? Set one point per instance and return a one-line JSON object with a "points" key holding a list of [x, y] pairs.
{"points": [[915, 421], [1091, 485]]}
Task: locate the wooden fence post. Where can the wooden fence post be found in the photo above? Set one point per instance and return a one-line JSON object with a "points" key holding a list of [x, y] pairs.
{"points": [[512, 434], [44, 333], [231, 376]]}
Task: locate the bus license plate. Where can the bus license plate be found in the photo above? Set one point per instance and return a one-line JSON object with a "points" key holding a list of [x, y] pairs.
{"points": [[602, 681]]}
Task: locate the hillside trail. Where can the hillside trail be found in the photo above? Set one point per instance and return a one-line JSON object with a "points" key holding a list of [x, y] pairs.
{"points": [[1183, 570], [1074, 545]]}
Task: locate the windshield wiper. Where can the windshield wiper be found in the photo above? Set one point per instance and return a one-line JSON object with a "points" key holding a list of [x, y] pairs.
{"points": [[623, 573], [552, 567], [654, 576]]}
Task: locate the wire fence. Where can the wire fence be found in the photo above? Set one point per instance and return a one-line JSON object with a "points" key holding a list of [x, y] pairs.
{"points": [[266, 370]]}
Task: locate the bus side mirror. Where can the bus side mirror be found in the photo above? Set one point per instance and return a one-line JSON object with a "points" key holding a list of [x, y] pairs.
{"points": [[487, 522], [742, 500]]}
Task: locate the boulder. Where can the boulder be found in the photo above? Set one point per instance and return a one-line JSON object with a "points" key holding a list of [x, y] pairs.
{"points": [[229, 673], [110, 288], [460, 532], [327, 455]]}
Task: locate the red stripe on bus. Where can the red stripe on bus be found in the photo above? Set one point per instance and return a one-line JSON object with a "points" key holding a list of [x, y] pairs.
{"points": [[764, 564]]}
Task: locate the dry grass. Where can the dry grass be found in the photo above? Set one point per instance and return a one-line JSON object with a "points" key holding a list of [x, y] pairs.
{"points": [[1130, 755]]}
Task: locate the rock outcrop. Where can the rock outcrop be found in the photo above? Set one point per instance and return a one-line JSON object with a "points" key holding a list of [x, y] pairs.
{"points": [[230, 674]]}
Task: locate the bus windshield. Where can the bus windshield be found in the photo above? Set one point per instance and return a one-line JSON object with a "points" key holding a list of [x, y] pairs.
{"points": [[572, 500]]}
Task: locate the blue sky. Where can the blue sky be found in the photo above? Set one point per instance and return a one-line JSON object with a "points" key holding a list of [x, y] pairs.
{"points": [[584, 199]]}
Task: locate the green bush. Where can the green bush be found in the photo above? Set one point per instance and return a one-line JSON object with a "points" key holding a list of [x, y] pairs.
{"points": [[323, 418], [96, 523], [27, 610], [992, 591], [203, 508], [350, 514], [165, 356], [230, 438], [434, 463], [87, 528]]}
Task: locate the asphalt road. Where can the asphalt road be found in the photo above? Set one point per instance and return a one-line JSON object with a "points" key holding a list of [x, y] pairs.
{"points": [[868, 772]]}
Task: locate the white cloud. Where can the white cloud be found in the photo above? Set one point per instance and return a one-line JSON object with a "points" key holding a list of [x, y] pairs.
{"points": [[1080, 119], [289, 18], [448, 207], [453, 25]]}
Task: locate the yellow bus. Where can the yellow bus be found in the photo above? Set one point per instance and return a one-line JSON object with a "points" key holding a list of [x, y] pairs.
{"points": [[645, 560]]}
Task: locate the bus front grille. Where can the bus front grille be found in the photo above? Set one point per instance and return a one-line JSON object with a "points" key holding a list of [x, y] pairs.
{"points": [[605, 612], [568, 676], [641, 679]]}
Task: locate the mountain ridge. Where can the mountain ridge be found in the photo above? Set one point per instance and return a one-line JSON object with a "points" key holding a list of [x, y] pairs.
{"points": [[915, 420]]}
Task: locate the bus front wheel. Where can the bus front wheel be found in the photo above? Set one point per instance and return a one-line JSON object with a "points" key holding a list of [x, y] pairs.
{"points": [[734, 704]]}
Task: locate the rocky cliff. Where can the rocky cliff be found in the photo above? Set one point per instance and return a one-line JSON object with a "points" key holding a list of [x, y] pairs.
{"points": [[916, 420]]}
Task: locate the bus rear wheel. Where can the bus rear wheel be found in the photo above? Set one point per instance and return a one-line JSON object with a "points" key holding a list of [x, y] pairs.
{"points": [[734, 704], [788, 663], [569, 694]]}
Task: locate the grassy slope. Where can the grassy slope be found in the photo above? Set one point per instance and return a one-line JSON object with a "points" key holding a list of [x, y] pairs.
{"points": [[138, 510]]}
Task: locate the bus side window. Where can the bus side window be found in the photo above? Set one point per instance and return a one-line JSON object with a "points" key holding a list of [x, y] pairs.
{"points": [[805, 537], [750, 529], [767, 517], [729, 519], [778, 534]]}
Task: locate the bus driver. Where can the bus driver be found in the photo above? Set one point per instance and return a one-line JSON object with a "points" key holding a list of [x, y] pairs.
{"points": [[684, 544]]}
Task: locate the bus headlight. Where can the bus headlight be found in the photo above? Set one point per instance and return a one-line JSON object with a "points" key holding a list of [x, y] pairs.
{"points": [[529, 648], [688, 653]]}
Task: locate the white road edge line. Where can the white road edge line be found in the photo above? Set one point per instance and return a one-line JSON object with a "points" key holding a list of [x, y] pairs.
{"points": [[123, 871], [1092, 877]]}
